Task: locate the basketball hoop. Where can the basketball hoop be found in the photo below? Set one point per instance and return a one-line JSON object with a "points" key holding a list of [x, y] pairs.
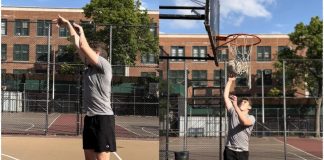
{"points": [[240, 45]]}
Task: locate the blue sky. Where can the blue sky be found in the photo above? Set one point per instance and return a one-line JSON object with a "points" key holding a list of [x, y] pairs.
{"points": [[248, 16], [237, 16]]}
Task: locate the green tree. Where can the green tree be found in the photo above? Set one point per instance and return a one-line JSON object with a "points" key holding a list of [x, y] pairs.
{"points": [[131, 33], [305, 68]]}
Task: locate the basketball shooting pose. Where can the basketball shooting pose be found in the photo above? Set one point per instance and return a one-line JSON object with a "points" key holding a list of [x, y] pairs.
{"points": [[240, 125], [99, 123]]}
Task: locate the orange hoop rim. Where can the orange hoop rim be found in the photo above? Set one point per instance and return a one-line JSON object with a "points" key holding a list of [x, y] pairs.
{"points": [[231, 37]]}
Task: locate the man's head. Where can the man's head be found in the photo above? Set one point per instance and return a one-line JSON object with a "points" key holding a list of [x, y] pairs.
{"points": [[246, 104], [100, 49]]}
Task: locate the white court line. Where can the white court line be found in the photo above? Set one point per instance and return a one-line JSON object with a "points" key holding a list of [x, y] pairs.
{"points": [[54, 120], [149, 132], [128, 130], [299, 149], [9, 156], [32, 126], [115, 153]]}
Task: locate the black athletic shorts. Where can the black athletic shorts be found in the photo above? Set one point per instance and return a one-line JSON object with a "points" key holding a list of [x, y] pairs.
{"points": [[99, 133], [233, 155]]}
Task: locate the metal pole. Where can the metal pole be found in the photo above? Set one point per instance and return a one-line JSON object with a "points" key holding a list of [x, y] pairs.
{"points": [[220, 117], [48, 74], [185, 108], [167, 114], [53, 81], [284, 96], [262, 78], [110, 44]]}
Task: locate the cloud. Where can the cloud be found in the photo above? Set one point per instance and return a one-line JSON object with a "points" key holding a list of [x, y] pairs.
{"points": [[279, 25], [235, 11], [144, 5]]}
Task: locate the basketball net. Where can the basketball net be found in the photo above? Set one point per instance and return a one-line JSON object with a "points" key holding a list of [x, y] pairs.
{"points": [[241, 47]]}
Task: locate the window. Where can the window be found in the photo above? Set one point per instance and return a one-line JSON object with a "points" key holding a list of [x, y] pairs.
{"points": [[3, 52], [177, 51], [222, 54], [65, 54], [199, 78], [3, 27], [42, 27], [148, 59], [267, 77], [21, 52], [219, 77], [280, 48], [22, 27], [176, 76], [241, 81], [41, 53], [263, 53], [63, 31], [199, 51], [243, 53], [153, 29], [148, 74], [20, 71]]}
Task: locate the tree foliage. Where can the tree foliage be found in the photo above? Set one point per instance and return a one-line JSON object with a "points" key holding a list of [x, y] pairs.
{"points": [[131, 29]]}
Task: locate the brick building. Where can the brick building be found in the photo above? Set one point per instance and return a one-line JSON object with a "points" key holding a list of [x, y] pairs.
{"points": [[24, 37], [24, 44]]}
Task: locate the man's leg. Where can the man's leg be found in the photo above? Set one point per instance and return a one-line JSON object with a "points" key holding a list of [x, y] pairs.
{"points": [[244, 155], [229, 154], [89, 154], [103, 156]]}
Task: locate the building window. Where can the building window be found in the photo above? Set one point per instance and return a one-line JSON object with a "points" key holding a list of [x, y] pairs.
{"points": [[199, 78], [42, 27], [243, 53], [41, 53], [177, 51], [161, 50], [148, 59], [22, 27], [199, 51], [267, 77], [281, 48], [241, 81], [63, 31], [263, 53], [3, 52], [222, 54], [21, 52], [219, 78], [153, 29], [20, 71], [148, 74], [63, 54], [3, 27], [176, 76]]}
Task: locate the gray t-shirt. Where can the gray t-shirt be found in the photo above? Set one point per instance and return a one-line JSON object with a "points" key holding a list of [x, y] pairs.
{"points": [[97, 88], [238, 134]]}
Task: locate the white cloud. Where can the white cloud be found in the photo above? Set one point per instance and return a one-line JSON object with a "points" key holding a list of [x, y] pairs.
{"points": [[235, 11], [144, 5]]}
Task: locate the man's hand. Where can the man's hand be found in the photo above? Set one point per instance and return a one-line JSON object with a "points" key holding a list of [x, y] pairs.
{"points": [[231, 77], [61, 22], [233, 98]]}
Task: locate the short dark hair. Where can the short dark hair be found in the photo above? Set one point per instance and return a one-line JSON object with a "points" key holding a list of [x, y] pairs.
{"points": [[101, 48], [247, 99]]}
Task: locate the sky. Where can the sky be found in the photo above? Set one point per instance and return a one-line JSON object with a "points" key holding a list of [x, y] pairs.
{"points": [[236, 16]]}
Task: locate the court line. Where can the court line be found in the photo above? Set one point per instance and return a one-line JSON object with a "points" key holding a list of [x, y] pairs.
{"points": [[149, 132], [299, 149], [115, 153], [54, 120], [128, 130], [9, 156], [30, 127]]}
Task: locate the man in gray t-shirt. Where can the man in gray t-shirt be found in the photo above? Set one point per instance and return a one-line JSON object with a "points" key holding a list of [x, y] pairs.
{"points": [[240, 125], [99, 123]]}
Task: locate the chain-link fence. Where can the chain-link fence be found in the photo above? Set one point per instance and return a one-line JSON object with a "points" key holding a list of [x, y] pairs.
{"points": [[42, 89]]}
